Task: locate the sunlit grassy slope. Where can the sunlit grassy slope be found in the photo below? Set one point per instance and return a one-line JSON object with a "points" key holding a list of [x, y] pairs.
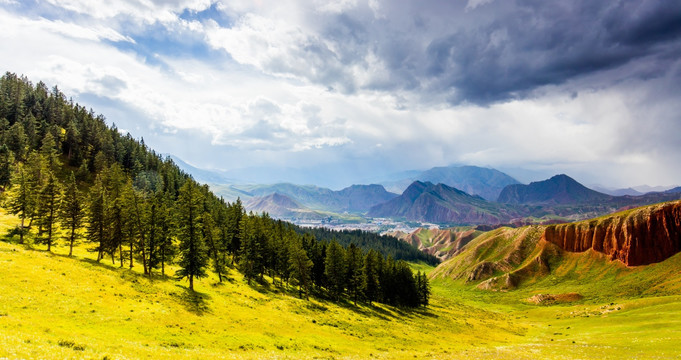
{"points": [[56, 307]]}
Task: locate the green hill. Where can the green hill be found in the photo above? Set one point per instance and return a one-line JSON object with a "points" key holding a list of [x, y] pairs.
{"points": [[522, 260], [57, 307]]}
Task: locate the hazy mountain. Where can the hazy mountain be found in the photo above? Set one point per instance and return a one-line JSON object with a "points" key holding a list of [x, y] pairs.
{"points": [[674, 190], [424, 201], [616, 192], [647, 188], [473, 180], [280, 206], [558, 190], [201, 175], [353, 199], [277, 205]]}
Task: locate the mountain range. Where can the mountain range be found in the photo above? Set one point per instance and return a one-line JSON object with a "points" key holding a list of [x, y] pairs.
{"points": [[558, 190], [425, 201], [474, 180], [456, 195]]}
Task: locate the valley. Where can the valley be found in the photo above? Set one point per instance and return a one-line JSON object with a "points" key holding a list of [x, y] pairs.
{"points": [[71, 308], [491, 300]]}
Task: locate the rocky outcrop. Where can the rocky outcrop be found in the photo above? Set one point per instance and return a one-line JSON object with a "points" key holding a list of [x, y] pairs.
{"points": [[636, 237]]}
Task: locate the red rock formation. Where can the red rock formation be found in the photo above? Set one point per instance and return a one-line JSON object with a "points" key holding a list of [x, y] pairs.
{"points": [[638, 237]]}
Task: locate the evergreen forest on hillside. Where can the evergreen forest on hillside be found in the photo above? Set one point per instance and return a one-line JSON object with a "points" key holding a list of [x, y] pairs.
{"points": [[62, 167]]}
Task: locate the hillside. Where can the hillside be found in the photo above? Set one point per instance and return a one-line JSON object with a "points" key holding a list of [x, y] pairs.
{"points": [[425, 201], [473, 180], [637, 237], [581, 257], [442, 243], [57, 307]]}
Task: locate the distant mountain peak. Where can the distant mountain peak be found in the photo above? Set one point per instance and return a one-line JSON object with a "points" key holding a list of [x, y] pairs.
{"points": [[559, 189], [425, 201], [486, 182]]}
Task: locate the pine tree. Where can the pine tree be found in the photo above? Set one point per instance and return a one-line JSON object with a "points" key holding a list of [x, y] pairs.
{"points": [[20, 200], [193, 254], [251, 260], [130, 228], [335, 270], [423, 288], [234, 228], [166, 229], [6, 160], [301, 267], [71, 211], [96, 216], [355, 274], [48, 150], [371, 275], [210, 233], [114, 180], [49, 206], [154, 231], [16, 140]]}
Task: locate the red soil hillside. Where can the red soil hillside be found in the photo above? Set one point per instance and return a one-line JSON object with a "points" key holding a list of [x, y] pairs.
{"points": [[636, 237], [441, 243]]}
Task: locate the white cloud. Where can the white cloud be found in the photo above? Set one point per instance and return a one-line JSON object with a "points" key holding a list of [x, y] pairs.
{"points": [[12, 24], [334, 6], [274, 100], [472, 4], [144, 11]]}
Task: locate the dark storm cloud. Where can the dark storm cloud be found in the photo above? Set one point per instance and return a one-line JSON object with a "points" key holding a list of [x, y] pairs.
{"points": [[505, 50], [541, 43]]}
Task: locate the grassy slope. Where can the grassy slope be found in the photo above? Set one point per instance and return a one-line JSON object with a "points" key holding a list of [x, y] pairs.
{"points": [[52, 306]]}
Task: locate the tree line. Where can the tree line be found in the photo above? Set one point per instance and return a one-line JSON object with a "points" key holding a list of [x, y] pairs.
{"points": [[62, 166]]}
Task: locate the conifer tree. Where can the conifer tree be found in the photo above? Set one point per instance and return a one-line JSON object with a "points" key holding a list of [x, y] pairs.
{"points": [[301, 267], [423, 288], [154, 233], [251, 260], [16, 140], [210, 233], [128, 220], [116, 211], [193, 254], [234, 228], [49, 206], [166, 229], [96, 216], [20, 201], [335, 270], [355, 275], [48, 150], [71, 211], [371, 276], [6, 161]]}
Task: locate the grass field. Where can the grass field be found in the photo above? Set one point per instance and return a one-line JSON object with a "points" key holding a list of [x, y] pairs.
{"points": [[57, 307]]}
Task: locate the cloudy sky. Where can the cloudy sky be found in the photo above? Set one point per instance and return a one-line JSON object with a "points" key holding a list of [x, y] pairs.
{"points": [[351, 90]]}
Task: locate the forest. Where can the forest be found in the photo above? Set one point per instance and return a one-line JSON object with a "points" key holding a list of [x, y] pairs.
{"points": [[62, 167]]}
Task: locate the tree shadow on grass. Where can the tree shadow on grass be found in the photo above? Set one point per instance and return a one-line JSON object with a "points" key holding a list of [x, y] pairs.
{"points": [[384, 311], [194, 301]]}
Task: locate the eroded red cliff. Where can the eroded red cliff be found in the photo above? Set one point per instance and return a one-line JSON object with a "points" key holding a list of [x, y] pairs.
{"points": [[637, 237]]}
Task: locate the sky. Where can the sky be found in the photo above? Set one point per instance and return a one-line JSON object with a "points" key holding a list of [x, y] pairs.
{"points": [[352, 91]]}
